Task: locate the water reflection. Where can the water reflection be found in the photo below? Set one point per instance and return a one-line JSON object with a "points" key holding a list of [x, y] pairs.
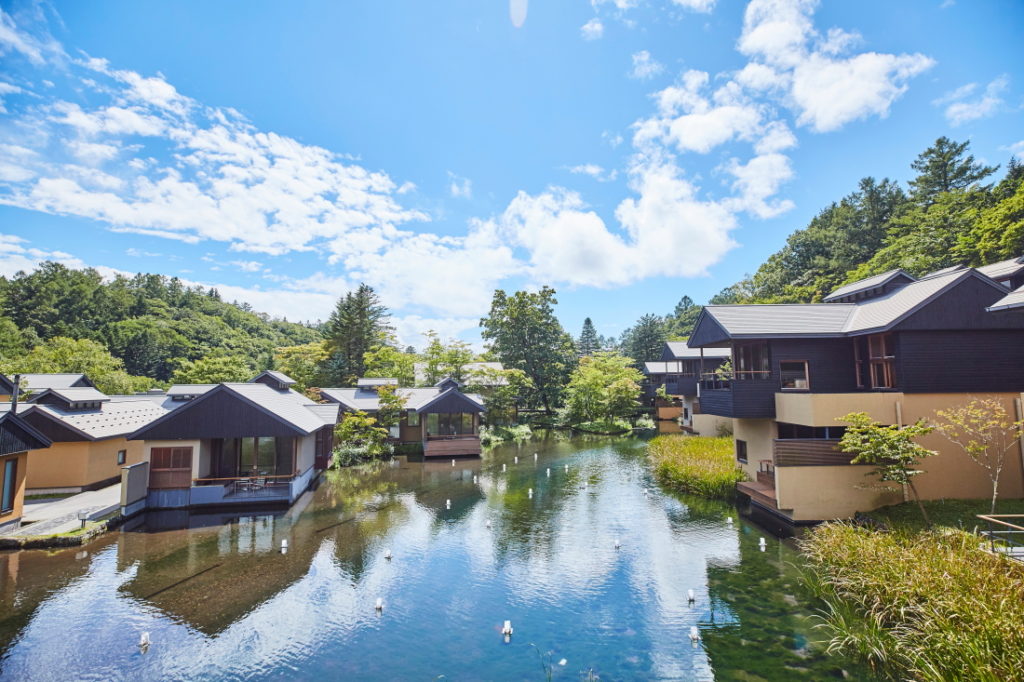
{"points": [[222, 601]]}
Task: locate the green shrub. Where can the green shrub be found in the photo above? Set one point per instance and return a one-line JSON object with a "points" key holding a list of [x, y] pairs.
{"points": [[605, 426], [490, 435], [349, 454], [923, 606], [695, 464], [645, 421]]}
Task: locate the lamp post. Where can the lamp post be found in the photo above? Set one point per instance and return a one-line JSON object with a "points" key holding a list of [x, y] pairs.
{"points": [[83, 516]]}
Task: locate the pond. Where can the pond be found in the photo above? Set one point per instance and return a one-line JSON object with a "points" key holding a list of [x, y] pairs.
{"points": [[532, 541]]}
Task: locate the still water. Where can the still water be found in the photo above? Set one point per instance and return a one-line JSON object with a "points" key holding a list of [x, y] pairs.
{"points": [[221, 601]]}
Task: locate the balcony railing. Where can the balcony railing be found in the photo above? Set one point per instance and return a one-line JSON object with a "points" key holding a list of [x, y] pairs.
{"points": [[808, 452], [713, 382], [1005, 534], [746, 395]]}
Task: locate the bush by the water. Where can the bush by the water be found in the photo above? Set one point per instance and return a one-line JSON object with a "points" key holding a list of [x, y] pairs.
{"points": [[605, 426], [922, 606], [645, 421], [695, 464], [349, 454], [489, 435]]}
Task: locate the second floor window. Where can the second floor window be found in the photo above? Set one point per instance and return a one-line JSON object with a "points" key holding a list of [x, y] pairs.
{"points": [[751, 361], [882, 361], [794, 375]]}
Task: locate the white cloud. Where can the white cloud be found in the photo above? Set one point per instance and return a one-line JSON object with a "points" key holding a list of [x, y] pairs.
{"points": [[595, 171], [248, 265], [644, 66], [960, 109], [1017, 149], [704, 6], [592, 30], [758, 180], [37, 50], [459, 187], [828, 90]]}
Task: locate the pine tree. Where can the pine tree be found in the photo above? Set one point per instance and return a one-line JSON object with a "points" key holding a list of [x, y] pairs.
{"points": [[943, 167], [643, 341], [358, 323], [589, 342]]}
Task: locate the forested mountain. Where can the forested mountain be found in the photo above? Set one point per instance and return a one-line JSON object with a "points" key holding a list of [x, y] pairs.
{"points": [[951, 212], [154, 325]]}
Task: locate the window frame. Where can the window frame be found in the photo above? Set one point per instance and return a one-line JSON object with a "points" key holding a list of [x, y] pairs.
{"points": [[885, 362], [122, 457], [741, 445], [807, 375], [7, 506]]}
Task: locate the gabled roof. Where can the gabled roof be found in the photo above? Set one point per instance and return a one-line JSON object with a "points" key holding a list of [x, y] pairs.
{"points": [[368, 401], [17, 435], [286, 407], [1012, 301], [367, 382], [868, 284], [1003, 270], [681, 350], [453, 397], [79, 394], [279, 377], [114, 418], [833, 319], [41, 382], [179, 390]]}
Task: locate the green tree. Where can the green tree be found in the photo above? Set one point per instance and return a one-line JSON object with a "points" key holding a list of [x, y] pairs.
{"points": [[503, 391], [359, 322], [892, 449], [360, 429], [589, 342], [645, 340], [213, 369], [604, 386], [388, 362], [391, 406], [147, 345], [998, 233], [445, 359], [302, 363], [944, 167], [680, 323], [985, 432], [525, 334], [63, 355]]}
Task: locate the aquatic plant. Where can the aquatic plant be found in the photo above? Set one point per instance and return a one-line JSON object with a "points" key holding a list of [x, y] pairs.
{"points": [[926, 606], [695, 464]]}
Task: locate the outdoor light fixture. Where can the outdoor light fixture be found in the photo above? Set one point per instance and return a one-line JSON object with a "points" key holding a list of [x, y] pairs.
{"points": [[83, 516]]}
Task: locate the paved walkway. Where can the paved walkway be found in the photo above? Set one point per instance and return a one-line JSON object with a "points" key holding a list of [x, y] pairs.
{"points": [[61, 516]]}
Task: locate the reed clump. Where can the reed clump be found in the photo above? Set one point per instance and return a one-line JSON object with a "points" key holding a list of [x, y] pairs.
{"points": [[919, 605], [696, 464]]}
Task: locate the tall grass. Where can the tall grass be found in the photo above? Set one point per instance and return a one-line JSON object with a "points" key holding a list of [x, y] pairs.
{"points": [[695, 464], [923, 606]]}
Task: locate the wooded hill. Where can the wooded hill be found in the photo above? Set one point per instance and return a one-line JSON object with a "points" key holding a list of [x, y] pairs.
{"points": [[153, 325]]}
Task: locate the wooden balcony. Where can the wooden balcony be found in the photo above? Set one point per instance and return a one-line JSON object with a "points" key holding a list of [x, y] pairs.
{"points": [[808, 452], [761, 493], [452, 446], [749, 395]]}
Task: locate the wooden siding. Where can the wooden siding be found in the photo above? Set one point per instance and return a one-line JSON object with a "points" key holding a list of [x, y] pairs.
{"points": [[53, 430], [744, 399], [961, 361], [223, 415], [13, 438], [452, 447], [962, 307], [830, 362], [802, 452]]}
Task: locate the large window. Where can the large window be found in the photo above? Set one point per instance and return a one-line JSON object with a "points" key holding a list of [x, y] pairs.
{"points": [[751, 361], [268, 456], [882, 361], [10, 483], [449, 423], [794, 375], [413, 419]]}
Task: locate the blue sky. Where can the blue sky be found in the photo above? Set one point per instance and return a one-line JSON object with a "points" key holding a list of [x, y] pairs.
{"points": [[626, 152]]}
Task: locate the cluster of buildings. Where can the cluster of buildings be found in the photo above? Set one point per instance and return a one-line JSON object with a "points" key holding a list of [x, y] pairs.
{"points": [[896, 347], [200, 445]]}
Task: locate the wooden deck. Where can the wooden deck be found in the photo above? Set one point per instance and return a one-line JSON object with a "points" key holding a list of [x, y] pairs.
{"points": [[762, 493], [452, 447]]}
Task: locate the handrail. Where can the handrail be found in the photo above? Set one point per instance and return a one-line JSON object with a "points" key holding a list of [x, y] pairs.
{"points": [[237, 478], [1002, 540]]}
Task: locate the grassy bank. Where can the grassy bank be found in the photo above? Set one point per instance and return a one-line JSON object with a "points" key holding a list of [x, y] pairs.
{"points": [[605, 427], [959, 514], [922, 605], [694, 464], [491, 435]]}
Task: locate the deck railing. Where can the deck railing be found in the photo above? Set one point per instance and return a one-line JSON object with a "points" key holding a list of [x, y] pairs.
{"points": [[1005, 536], [712, 382]]}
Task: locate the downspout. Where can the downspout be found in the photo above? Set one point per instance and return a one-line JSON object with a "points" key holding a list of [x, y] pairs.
{"points": [[14, 394], [1020, 441]]}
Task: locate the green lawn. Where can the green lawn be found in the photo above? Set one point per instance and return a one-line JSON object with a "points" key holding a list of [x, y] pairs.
{"points": [[943, 513]]}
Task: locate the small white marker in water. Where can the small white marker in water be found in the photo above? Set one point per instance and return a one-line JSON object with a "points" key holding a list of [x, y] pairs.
{"points": [[379, 606], [566, 468], [476, 479], [762, 544], [694, 634], [728, 520], [535, 457], [618, 543], [503, 469], [453, 461], [284, 546], [562, 662], [447, 504], [515, 459], [530, 493], [488, 523], [387, 554], [144, 641], [690, 596], [506, 629]]}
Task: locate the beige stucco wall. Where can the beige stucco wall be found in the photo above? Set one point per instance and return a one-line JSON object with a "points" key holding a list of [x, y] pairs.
{"points": [[821, 409], [707, 424], [76, 465], [760, 436], [306, 454], [834, 492], [815, 493]]}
